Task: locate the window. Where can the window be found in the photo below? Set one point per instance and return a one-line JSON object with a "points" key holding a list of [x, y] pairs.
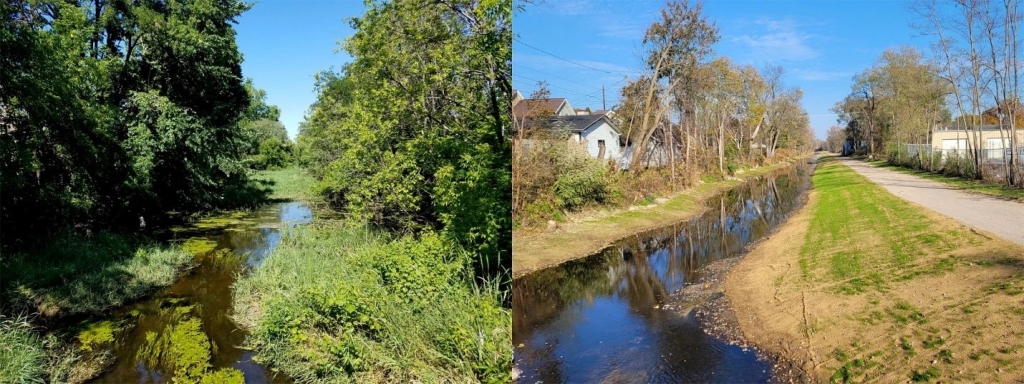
{"points": [[600, 149]]}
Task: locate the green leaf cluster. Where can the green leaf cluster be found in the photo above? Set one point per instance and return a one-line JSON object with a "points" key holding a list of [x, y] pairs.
{"points": [[115, 109], [412, 134]]}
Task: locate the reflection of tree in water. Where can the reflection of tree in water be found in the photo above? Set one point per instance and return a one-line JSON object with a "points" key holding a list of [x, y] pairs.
{"points": [[643, 270]]}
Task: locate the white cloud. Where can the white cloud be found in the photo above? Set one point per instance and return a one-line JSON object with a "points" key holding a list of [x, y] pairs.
{"points": [[781, 41]]}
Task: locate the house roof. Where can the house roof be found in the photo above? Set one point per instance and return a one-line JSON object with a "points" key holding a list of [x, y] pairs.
{"points": [[525, 106], [579, 123], [983, 127]]}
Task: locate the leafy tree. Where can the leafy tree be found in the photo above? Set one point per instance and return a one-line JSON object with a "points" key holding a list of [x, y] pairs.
{"points": [[412, 135], [110, 109]]}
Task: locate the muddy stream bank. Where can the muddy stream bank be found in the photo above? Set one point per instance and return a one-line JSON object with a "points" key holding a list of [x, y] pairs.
{"points": [[649, 308], [190, 322]]}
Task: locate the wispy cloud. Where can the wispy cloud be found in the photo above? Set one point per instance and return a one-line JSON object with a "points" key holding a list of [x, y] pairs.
{"points": [[816, 75], [781, 41], [568, 7]]}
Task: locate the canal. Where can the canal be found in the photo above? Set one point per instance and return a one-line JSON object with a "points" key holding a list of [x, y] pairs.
{"points": [[604, 318]]}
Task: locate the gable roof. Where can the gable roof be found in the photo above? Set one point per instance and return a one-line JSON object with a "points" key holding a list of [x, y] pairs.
{"points": [[525, 106], [580, 123]]}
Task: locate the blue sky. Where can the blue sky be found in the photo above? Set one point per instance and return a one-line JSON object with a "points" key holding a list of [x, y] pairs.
{"points": [[285, 42], [821, 44]]}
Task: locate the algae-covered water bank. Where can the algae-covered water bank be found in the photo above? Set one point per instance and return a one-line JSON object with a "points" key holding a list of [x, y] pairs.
{"points": [[89, 321], [185, 331]]}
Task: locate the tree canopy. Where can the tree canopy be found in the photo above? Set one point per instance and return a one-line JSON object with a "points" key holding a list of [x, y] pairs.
{"points": [[111, 109], [411, 135]]}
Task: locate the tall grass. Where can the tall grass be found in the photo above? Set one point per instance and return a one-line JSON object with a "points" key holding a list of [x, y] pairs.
{"points": [[73, 274], [22, 354], [337, 304], [288, 184]]}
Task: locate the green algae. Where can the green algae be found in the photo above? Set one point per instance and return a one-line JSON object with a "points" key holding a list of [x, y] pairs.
{"points": [[96, 334], [185, 349], [198, 246]]}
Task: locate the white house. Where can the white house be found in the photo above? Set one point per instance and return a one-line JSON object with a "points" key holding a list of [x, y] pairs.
{"points": [[597, 132]]}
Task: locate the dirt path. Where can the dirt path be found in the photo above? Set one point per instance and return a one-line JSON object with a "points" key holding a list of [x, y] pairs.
{"points": [[1001, 217], [864, 286]]}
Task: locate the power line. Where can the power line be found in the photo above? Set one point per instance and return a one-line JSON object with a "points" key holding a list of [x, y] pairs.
{"points": [[569, 61], [554, 76], [585, 96]]}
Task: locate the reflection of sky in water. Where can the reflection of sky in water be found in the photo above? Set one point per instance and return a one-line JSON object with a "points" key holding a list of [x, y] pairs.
{"points": [[208, 287], [295, 213], [268, 237], [598, 319]]}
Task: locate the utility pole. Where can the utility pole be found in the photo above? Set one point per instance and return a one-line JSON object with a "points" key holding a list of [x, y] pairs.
{"points": [[602, 98]]}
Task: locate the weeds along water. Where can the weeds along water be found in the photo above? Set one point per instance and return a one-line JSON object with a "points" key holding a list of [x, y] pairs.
{"points": [[339, 303]]}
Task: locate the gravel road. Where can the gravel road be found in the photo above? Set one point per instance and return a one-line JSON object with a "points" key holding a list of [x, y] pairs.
{"points": [[1001, 217]]}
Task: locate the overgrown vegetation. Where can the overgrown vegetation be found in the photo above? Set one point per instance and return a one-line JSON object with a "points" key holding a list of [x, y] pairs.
{"points": [[688, 117], [22, 354], [292, 183], [410, 140], [99, 131], [412, 134], [87, 275], [337, 304]]}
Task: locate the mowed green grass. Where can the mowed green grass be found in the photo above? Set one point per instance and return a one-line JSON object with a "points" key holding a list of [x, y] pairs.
{"points": [[292, 183], [863, 237]]}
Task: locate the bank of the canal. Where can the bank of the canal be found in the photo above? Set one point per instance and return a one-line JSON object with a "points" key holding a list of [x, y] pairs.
{"points": [[574, 240], [187, 327], [637, 310]]}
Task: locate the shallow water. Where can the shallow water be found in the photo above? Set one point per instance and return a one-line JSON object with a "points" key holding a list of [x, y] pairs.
{"points": [[154, 328], [601, 318]]}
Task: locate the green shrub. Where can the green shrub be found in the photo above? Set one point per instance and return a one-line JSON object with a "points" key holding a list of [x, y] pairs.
{"points": [[336, 304], [580, 181]]}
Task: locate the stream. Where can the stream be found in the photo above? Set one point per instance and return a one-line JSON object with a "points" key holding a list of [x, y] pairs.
{"points": [[603, 318], [225, 246]]}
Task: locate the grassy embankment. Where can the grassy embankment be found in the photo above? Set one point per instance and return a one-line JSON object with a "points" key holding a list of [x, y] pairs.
{"points": [[336, 302], [73, 275], [76, 275], [288, 184], [864, 286], [976, 186], [594, 231]]}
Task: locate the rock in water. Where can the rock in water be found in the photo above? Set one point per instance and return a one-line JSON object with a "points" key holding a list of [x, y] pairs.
{"points": [[515, 373]]}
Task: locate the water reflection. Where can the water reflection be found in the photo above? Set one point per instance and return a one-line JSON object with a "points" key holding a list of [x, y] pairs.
{"points": [[599, 319], [202, 300]]}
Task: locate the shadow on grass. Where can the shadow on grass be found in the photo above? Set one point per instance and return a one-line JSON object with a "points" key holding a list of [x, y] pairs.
{"points": [[74, 274]]}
